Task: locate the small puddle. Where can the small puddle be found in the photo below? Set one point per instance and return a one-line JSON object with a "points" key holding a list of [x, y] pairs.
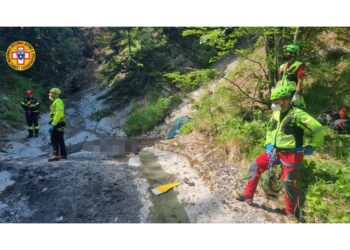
{"points": [[166, 207]]}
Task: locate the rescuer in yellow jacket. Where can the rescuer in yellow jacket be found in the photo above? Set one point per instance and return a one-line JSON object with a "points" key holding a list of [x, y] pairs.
{"points": [[291, 134], [292, 72], [57, 123]]}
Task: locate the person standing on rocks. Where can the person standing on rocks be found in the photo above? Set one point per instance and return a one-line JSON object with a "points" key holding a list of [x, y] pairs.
{"points": [[285, 144], [57, 124], [31, 109]]}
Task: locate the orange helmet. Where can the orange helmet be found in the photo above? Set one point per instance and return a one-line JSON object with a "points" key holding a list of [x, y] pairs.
{"points": [[29, 92], [342, 113]]}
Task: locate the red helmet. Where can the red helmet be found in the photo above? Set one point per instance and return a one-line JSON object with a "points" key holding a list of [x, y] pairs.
{"points": [[342, 113], [29, 92]]}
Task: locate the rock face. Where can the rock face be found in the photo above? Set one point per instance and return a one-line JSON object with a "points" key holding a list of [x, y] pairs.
{"points": [[83, 136], [114, 123], [109, 125]]}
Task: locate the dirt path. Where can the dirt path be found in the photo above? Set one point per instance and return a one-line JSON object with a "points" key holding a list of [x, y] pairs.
{"points": [[208, 181]]}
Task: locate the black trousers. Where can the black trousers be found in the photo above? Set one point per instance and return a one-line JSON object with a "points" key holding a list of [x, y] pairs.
{"points": [[57, 140], [32, 119]]}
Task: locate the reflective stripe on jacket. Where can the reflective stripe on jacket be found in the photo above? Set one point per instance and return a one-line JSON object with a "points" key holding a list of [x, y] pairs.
{"points": [[30, 104]]}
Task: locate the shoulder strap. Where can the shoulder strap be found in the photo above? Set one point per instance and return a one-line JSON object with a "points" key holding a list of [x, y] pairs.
{"points": [[288, 118], [295, 66]]}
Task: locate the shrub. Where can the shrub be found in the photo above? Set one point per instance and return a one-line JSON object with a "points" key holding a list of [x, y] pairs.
{"points": [[192, 80], [145, 119], [325, 187]]}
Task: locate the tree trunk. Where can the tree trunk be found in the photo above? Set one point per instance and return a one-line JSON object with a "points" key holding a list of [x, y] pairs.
{"points": [[279, 38], [296, 34], [269, 46], [129, 41]]}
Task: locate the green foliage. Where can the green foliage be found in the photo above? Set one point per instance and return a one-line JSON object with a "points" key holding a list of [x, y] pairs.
{"points": [[220, 105], [138, 58], [248, 136], [326, 187], [331, 79], [337, 145], [250, 74], [228, 40], [9, 116], [220, 115], [223, 39], [145, 119], [192, 80], [186, 128]]}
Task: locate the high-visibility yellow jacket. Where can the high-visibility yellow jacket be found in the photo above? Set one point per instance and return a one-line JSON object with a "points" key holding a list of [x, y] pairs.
{"points": [[290, 74], [57, 113], [296, 129]]}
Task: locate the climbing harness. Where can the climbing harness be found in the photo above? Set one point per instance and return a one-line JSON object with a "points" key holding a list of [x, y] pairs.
{"points": [[273, 175]]}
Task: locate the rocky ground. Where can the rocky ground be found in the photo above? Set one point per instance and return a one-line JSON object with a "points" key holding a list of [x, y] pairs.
{"points": [[209, 181], [85, 188]]}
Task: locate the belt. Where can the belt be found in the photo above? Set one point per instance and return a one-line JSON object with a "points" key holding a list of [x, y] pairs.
{"points": [[290, 150]]}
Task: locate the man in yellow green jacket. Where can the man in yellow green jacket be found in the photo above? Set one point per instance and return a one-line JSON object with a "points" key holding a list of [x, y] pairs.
{"points": [[57, 123], [292, 73], [291, 133]]}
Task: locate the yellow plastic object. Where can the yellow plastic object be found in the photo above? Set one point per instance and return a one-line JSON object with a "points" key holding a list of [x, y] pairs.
{"points": [[164, 188]]}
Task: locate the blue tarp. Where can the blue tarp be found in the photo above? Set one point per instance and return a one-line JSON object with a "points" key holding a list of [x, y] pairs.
{"points": [[177, 125]]}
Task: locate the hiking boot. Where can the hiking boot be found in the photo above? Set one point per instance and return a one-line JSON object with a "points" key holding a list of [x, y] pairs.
{"points": [[54, 158], [291, 218], [30, 134], [243, 197], [64, 157], [36, 133]]}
